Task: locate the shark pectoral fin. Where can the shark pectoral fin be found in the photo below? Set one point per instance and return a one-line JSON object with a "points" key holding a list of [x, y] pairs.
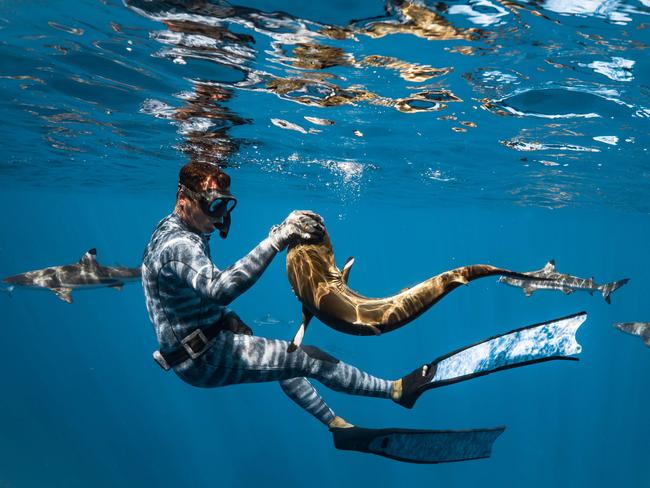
{"points": [[117, 286], [645, 335], [567, 291], [376, 330], [300, 333], [528, 290], [64, 294], [346, 269]]}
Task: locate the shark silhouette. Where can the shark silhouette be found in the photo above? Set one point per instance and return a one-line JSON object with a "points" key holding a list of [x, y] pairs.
{"points": [[548, 278], [323, 290], [87, 273], [641, 329]]}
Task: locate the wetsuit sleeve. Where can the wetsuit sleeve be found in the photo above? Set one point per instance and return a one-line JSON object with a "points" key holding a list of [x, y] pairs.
{"points": [[193, 266]]}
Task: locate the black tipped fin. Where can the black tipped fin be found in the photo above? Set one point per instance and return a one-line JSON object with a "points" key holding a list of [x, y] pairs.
{"points": [[645, 335], [610, 288], [419, 446], [550, 266], [89, 259], [64, 294]]}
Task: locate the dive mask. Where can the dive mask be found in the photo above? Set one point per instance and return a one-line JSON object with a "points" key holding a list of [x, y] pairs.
{"points": [[214, 204]]}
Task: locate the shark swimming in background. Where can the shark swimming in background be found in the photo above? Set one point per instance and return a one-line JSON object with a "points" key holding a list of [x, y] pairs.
{"points": [[548, 278], [87, 273], [641, 329]]}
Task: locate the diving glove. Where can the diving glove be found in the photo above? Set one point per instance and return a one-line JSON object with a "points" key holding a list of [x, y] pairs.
{"points": [[300, 225]]}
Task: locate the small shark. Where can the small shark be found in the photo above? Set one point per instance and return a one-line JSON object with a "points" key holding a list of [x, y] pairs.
{"points": [[548, 278], [87, 273], [641, 329], [323, 290]]}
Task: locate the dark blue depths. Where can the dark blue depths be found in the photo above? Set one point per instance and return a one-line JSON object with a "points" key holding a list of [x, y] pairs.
{"points": [[91, 161], [84, 402]]}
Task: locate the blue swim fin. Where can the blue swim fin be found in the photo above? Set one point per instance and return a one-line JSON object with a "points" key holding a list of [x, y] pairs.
{"points": [[418, 446], [532, 344]]}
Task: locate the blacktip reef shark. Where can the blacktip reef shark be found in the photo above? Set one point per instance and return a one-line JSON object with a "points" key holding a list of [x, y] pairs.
{"points": [[641, 329], [548, 278], [87, 273], [323, 290]]}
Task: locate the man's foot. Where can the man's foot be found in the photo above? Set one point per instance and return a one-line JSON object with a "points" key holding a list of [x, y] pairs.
{"points": [[339, 423], [408, 389]]}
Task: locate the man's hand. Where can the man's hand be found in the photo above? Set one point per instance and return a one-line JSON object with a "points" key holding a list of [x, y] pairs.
{"points": [[233, 323], [300, 225]]}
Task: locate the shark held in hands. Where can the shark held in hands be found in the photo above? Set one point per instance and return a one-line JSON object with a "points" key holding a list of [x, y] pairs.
{"points": [[548, 278], [323, 290], [87, 273]]}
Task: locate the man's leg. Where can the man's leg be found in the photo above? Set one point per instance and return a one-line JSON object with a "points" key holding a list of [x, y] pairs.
{"points": [[238, 358], [301, 391]]}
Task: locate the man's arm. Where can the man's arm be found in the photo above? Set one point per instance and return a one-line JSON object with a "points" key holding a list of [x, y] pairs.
{"points": [[194, 267]]}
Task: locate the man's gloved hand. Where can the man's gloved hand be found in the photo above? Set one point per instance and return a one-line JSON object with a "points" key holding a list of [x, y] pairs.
{"points": [[233, 323], [300, 225]]}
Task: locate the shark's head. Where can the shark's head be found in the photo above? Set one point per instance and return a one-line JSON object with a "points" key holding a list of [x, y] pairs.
{"points": [[20, 279]]}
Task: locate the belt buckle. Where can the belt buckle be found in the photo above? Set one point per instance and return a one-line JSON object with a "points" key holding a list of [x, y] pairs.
{"points": [[185, 343]]}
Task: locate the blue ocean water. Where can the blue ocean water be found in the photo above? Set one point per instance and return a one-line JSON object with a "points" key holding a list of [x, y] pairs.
{"points": [[439, 134]]}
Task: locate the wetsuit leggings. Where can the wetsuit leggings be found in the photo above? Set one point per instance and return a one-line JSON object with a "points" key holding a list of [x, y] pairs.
{"points": [[238, 358]]}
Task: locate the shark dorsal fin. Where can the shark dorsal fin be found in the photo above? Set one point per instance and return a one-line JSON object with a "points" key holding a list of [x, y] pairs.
{"points": [[89, 259], [346, 269], [550, 266]]}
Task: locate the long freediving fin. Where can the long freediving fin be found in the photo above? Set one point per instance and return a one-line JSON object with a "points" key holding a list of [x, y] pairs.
{"points": [[300, 333], [418, 446], [545, 341]]}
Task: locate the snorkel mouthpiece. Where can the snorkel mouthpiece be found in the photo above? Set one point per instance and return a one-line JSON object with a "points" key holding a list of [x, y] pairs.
{"points": [[224, 227]]}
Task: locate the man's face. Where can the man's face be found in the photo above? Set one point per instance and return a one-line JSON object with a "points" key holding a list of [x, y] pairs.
{"points": [[199, 220]]}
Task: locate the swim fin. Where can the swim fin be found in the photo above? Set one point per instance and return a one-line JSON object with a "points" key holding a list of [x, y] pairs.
{"points": [[418, 446], [532, 344]]}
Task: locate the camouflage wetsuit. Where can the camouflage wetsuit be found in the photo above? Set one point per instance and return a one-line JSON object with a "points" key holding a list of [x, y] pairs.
{"points": [[185, 291]]}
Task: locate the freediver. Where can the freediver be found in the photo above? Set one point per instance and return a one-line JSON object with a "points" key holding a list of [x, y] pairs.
{"points": [[208, 345]]}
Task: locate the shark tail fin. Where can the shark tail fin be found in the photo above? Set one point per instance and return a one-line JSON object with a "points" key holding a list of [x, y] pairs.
{"points": [[609, 288]]}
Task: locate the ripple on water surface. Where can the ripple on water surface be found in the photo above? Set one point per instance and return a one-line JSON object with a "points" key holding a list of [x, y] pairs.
{"points": [[534, 103]]}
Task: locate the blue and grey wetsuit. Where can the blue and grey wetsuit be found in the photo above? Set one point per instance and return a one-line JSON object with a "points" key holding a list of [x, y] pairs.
{"points": [[184, 291]]}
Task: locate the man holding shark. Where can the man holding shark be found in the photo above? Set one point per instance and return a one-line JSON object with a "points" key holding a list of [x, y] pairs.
{"points": [[208, 345]]}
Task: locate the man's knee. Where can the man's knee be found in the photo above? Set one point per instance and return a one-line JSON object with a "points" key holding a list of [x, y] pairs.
{"points": [[316, 353]]}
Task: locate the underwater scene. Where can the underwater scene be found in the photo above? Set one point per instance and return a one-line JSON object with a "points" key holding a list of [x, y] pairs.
{"points": [[460, 300]]}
